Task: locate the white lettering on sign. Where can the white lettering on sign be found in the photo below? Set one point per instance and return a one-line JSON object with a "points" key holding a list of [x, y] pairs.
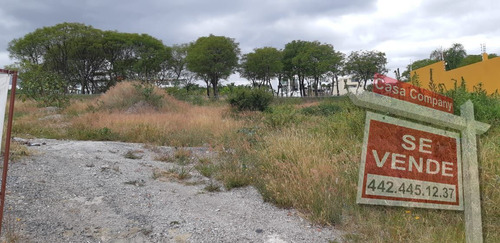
{"points": [[410, 144], [404, 162], [411, 165], [413, 94]]}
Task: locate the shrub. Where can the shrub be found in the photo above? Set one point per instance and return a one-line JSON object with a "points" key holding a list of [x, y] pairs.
{"points": [[45, 87], [486, 107], [149, 94], [250, 99], [194, 95]]}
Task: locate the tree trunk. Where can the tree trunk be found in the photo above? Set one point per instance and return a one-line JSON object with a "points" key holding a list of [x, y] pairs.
{"points": [[302, 87], [316, 84], [208, 87], [215, 88], [337, 82]]}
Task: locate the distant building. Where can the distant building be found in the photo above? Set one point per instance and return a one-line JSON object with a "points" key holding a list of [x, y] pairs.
{"points": [[486, 72], [346, 84]]}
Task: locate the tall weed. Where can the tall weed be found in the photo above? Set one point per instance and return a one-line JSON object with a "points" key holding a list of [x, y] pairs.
{"points": [[486, 107]]}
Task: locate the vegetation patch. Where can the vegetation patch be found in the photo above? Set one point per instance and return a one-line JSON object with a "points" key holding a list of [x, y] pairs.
{"points": [[137, 97], [181, 173], [134, 154], [182, 156], [250, 99], [212, 187], [300, 154]]}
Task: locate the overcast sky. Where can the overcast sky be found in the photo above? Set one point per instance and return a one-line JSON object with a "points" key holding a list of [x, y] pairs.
{"points": [[404, 30]]}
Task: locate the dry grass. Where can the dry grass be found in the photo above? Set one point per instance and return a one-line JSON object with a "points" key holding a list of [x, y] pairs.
{"points": [[178, 174], [489, 158], [311, 171], [314, 167], [193, 126], [126, 95], [115, 116], [307, 162]]}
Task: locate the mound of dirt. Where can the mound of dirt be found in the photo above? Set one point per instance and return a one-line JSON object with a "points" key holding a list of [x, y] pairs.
{"points": [[133, 95]]}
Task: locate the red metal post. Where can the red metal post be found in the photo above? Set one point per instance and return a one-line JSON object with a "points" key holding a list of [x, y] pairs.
{"points": [[7, 142]]}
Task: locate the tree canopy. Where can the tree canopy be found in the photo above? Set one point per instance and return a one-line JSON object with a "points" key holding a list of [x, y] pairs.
{"points": [[263, 64], [454, 57], [89, 60], [415, 65], [213, 57], [364, 64], [310, 60]]}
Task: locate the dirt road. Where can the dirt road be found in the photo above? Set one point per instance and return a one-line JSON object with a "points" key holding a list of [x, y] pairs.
{"points": [[81, 191]]}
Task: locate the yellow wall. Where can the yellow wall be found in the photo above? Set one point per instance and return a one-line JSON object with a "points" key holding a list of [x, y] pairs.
{"points": [[486, 72]]}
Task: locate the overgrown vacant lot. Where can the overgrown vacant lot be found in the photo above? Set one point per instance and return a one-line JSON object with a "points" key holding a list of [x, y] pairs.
{"points": [[301, 154]]}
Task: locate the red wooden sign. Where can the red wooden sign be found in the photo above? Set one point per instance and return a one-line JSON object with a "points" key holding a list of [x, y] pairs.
{"points": [[409, 164], [404, 91]]}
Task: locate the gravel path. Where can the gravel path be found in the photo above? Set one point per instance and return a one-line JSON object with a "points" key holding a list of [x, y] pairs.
{"points": [[81, 191]]}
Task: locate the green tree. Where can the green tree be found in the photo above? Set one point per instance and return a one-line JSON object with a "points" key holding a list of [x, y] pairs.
{"points": [[319, 60], [454, 55], [86, 60], [118, 49], [364, 64], [149, 54], [437, 55], [263, 64], [407, 74], [30, 48], [175, 69], [214, 58], [295, 67], [45, 87], [89, 58], [72, 50], [61, 51], [471, 59]]}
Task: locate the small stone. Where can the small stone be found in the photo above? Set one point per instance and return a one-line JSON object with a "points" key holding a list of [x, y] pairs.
{"points": [[258, 231]]}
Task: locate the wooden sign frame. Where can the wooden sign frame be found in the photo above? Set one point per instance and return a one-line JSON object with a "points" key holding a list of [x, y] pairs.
{"points": [[468, 127]]}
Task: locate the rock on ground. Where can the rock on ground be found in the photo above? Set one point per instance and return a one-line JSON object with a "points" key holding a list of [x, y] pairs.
{"points": [[81, 191]]}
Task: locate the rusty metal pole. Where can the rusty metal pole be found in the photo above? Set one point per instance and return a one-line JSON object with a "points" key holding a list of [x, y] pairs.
{"points": [[7, 144]]}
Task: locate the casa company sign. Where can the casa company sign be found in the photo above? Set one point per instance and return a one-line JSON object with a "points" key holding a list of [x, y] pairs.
{"points": [[404, 91], [409, 164]]}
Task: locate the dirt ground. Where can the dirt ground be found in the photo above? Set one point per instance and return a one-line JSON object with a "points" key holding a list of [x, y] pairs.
{"points": [[81, 191]]}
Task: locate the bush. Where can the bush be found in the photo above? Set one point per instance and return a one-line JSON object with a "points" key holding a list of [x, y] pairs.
{"points": [[194, 95], [148, 94], [46, 88], [486, 107], [250, 99]]}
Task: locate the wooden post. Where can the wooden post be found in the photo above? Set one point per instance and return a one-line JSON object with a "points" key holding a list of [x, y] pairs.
{"points": [[7, 141], [472, 201]]}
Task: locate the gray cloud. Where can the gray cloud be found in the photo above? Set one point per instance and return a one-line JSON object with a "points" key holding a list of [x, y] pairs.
{"points": [[404, 33]]}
